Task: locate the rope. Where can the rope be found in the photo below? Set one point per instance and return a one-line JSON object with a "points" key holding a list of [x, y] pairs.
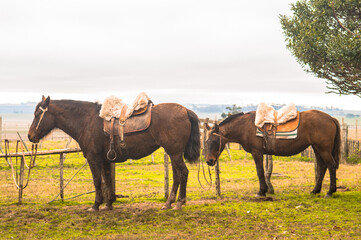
{"points": [[78, 195], [209, 183], [31, 163], [86, 162], [7, 149], [15, 174]]}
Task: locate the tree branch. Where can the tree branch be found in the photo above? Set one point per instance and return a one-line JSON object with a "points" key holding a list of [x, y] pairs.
{"points": [[340, 23]]}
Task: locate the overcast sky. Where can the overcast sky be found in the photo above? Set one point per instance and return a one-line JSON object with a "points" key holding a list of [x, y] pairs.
{"points": [[204, 51]]}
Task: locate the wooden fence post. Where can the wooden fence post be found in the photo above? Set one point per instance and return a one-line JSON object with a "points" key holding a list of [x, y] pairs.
{"points": [[166, 175], [205, 131], [344, 135], [356, 130], [218, 182], [228, 151], [268, 173], [1, 133], [217, 172], [21, 180], [62, 176]]}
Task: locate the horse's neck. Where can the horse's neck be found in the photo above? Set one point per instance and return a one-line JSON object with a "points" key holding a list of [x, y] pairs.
{"points": [[233, 131], [72, 122]]}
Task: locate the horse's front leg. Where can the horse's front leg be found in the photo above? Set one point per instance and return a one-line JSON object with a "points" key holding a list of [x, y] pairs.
{"points": [[95, 165], [258, 159], [182, 172]]}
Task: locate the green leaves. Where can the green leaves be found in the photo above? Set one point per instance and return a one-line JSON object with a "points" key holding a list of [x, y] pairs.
{"points": [[325, 38]]}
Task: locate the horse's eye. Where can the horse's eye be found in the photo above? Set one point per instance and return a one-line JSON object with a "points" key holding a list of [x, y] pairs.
{"points": [[37, 113]]}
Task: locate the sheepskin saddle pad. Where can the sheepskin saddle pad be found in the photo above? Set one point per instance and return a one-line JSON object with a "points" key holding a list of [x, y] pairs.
{"points": [[283, 124], [135, 118]]}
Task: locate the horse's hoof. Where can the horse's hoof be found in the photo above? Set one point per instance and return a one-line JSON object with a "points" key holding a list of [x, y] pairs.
{"points": [[92, 210], [177, 207], [166, 207], [328, 195], [106, 208], [315, 192], [260, 196]]}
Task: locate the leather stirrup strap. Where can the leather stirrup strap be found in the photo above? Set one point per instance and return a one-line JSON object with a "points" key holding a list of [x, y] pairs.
{"points": [[122, 120], [111, 147]]}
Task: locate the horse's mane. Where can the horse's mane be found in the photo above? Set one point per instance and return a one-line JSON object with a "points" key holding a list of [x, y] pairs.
{"points": [[78, 106], [230, 118]]}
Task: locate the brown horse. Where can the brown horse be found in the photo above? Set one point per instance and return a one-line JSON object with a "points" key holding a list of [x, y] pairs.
{"points": [[316, 128], [172, 127]]}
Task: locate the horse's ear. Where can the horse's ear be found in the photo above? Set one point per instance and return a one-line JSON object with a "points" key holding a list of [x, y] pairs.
{"points": [[207, 126], [216, 128], [43, 98], [46, 101]]}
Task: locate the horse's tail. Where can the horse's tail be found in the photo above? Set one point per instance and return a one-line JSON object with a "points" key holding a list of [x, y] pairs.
{"points": [[336, 152], [192, 150]]}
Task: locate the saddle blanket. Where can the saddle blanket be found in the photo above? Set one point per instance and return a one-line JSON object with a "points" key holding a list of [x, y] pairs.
{"points": [[280, 135]]}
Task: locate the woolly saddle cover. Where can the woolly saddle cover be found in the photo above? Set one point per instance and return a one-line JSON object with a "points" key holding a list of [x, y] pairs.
{"points": [[286, 121]]}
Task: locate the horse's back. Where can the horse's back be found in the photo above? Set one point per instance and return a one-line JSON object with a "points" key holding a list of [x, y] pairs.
{"points": [[317, 118], [170, 126], [169, 116], [319, 126]]}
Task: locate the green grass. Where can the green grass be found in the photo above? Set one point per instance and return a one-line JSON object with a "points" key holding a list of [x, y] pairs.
{"points": [[291, 213]]}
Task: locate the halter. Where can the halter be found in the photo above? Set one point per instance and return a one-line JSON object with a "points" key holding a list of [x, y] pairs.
{"points": [[220, 142], [42, 115]]}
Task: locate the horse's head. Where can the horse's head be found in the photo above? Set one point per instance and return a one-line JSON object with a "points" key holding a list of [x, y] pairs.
{"points": [[215, 144], [43, 121]]}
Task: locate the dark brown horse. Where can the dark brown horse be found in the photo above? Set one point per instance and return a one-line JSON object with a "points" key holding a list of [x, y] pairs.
{"points": [[316, 128], [172, 127]]}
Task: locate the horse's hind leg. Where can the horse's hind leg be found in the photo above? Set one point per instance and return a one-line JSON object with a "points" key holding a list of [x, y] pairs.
{"points": [[183, 172], [329, 162], [180, 178], [173, 193], [320, 173]]}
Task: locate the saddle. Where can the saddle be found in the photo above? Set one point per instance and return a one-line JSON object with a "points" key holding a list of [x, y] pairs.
{"points": [[121, 119], [272, 124], [139, 121]]}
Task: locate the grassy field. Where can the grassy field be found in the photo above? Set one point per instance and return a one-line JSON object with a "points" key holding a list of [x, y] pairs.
{"points": [[291, 213]]}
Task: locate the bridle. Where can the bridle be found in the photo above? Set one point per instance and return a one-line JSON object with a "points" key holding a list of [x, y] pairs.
{"points": [[42, 115], [220, 143]]}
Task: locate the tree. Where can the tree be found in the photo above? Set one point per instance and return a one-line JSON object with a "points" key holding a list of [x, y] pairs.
{"points": [[232, 110], [325, 38]]}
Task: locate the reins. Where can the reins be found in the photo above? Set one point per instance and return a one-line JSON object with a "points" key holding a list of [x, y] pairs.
{"points": [[15, 174], [209, 183]]}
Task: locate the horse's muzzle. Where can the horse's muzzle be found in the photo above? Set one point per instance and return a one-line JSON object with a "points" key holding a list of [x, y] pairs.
{"points": [[211, 162], [32, 138]]}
